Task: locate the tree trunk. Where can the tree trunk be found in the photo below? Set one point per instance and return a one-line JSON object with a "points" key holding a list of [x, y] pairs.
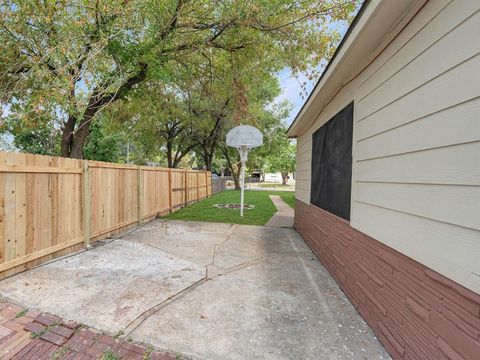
{"points": [[236, 176], [67, 136], [284, 178], [177, 160], [81, 135], [169, 154], [207, 155], [73, 141], [236, 181], [208, 162]]}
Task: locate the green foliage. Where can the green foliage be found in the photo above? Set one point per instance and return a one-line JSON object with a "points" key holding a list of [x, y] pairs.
{"points": [[42, 139], [274, 138], [110, 355], [57, 354], [21, 313], [102, 145], [65, 62], [283, 160]]}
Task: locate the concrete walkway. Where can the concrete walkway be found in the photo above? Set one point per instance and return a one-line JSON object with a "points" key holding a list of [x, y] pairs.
{"points": [[284, 215], [205, 290]]}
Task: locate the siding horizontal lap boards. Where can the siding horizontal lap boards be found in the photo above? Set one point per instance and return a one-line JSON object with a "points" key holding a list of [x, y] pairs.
{"points": [[425, 133], [458, 205], [455, 165], [447, 52], [437, 19], [417, 143], [432, 97]]}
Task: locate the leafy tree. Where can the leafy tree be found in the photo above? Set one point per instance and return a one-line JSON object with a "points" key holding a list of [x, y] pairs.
{"points": [[282, 161], [102, 145], [159, 123], [42, 139], [68, 60], [240, 93], [273, 135]]}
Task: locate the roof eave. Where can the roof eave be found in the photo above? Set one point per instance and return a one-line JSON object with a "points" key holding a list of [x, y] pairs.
{"points": [[377, 22]]}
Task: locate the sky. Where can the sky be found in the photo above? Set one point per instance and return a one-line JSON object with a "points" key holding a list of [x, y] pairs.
{"points": [[291, 89]]}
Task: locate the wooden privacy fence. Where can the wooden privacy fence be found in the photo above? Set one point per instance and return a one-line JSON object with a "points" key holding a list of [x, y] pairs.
{"points": [[51, 206]]}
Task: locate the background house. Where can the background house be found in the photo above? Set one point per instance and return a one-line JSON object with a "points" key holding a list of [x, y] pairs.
{"points": [[388, 174], [277, 178]]}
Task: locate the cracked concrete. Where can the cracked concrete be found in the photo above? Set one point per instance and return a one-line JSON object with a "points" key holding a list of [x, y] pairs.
{"points": [[208, 290]]}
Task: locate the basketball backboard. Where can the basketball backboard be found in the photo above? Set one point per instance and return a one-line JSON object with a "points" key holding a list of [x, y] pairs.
{"points": [[244, 136]]}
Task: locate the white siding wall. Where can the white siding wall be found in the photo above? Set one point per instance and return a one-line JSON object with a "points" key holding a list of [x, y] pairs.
{"points": [[416, 150]]}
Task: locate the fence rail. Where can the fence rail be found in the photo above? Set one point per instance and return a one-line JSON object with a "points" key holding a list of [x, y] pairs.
{"points": [[51, 206]]}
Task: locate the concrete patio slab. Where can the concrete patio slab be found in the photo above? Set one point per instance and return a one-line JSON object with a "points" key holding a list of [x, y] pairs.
{"points": [[106, 287], [207, 290]]}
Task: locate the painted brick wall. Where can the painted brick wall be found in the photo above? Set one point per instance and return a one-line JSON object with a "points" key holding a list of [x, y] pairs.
{"points": [[415, 312]]}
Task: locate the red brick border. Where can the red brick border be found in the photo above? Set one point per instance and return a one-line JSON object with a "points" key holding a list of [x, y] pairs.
{"points": [[30, 334], [415, 312]]}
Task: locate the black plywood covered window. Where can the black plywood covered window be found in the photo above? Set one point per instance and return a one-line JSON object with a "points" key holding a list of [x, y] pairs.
{"points": [[332, 164]]}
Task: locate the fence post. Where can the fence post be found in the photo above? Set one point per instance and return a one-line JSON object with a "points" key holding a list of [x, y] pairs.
{"points": [[86, 204], [206, 184], [170, 191], [139, 195], [186, 187]]}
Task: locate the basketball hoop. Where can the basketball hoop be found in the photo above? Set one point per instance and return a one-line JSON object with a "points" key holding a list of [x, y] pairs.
{"points": [[244, 138]]}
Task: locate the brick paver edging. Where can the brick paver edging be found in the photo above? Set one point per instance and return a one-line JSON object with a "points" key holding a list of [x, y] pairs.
{"points": [[31, 334]]}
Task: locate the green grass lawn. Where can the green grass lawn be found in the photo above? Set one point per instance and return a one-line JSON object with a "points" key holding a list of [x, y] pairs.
{"points": [[259, 215], [288, 197]]}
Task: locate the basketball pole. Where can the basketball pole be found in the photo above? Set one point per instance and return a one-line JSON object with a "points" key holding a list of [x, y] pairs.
{"points": [[243, 189], [243, 150]]}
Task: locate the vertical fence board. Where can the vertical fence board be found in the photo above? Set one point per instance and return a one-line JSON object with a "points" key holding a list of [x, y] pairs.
{"points": [[86, 204], [30, 201], [170, 206], [21, 213], [10, 211], [140, 205]]}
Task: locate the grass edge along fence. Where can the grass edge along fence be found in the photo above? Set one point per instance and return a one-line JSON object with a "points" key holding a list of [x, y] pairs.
{"points": [[52, 206]]}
